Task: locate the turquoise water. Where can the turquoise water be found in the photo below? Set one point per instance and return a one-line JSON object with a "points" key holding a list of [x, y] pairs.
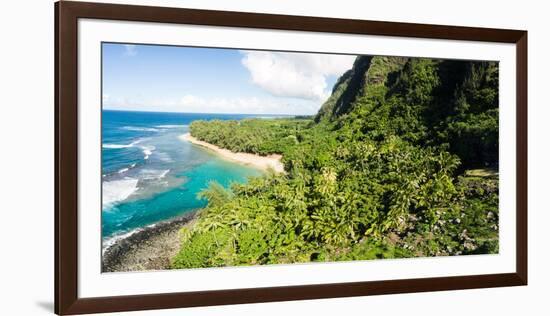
{"points": [[149, 174]]}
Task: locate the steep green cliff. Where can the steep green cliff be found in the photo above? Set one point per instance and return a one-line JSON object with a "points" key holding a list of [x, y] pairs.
{"points": [[425, 101], [388, 168], [365, 78]]}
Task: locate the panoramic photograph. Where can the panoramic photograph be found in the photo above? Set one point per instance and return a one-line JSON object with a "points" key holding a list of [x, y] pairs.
{"points": [[218, 157]]}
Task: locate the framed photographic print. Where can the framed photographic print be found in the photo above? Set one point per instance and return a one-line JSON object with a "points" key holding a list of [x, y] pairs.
{"points": [[210, 157]]}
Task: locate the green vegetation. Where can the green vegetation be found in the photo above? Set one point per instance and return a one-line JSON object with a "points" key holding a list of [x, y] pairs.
{"points": [[399, 162], [255, 136]]}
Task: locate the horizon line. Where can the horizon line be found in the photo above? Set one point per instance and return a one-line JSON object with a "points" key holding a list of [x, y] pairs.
{"points": [[151, 111]]}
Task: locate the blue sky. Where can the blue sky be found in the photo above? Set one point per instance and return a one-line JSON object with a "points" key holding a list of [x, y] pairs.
{"points": [[210, 80]]}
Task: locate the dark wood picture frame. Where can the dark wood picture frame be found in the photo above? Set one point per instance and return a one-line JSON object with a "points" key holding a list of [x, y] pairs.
{"points": [[66, 156]]}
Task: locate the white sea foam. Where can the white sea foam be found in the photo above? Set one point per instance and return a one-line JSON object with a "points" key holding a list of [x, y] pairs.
{"points": [[150, 174], [140, 129], [163, 174], [147, 151], [117, 146], [118, 190], [108, 242], [123, 170], [171, 126]]}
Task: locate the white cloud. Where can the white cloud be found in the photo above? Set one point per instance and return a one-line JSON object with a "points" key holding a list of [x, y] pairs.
{"points": [[195, 104], [130, 50], [296, 75], [249, 105]]}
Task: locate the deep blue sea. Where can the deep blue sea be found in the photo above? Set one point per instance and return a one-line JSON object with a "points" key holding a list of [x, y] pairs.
{"points": [[149, 174]]}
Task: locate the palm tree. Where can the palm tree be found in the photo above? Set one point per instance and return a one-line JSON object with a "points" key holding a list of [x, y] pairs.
{"points": [[215, 194]]}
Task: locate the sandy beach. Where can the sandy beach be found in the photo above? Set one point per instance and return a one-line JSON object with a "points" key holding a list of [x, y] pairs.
{"points": [[257, 161], [154, 246]]}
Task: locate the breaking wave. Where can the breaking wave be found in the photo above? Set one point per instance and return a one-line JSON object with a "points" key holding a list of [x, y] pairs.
{"points": [[150, 174], [118, 146], [140, 129], [118, 190]]}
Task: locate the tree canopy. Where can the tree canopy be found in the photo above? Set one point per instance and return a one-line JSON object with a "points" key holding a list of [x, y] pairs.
{"points": [[388, 168]]}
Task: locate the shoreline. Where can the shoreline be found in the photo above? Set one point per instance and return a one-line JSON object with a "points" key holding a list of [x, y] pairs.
{"points": [[261, 162], [150, 248]]}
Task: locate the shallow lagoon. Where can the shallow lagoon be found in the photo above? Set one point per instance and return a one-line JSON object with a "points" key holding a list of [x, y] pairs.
{"points": [[149, 174]]}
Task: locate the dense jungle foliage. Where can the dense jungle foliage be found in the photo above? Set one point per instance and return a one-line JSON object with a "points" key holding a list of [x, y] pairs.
{"points": [[399, 162], [257, 136]]}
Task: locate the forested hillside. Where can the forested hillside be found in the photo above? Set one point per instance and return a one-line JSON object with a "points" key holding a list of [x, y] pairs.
{"points": [[399, 162]]}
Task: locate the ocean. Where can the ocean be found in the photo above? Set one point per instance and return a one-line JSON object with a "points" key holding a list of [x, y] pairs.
{"points": [[150, 175]]}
